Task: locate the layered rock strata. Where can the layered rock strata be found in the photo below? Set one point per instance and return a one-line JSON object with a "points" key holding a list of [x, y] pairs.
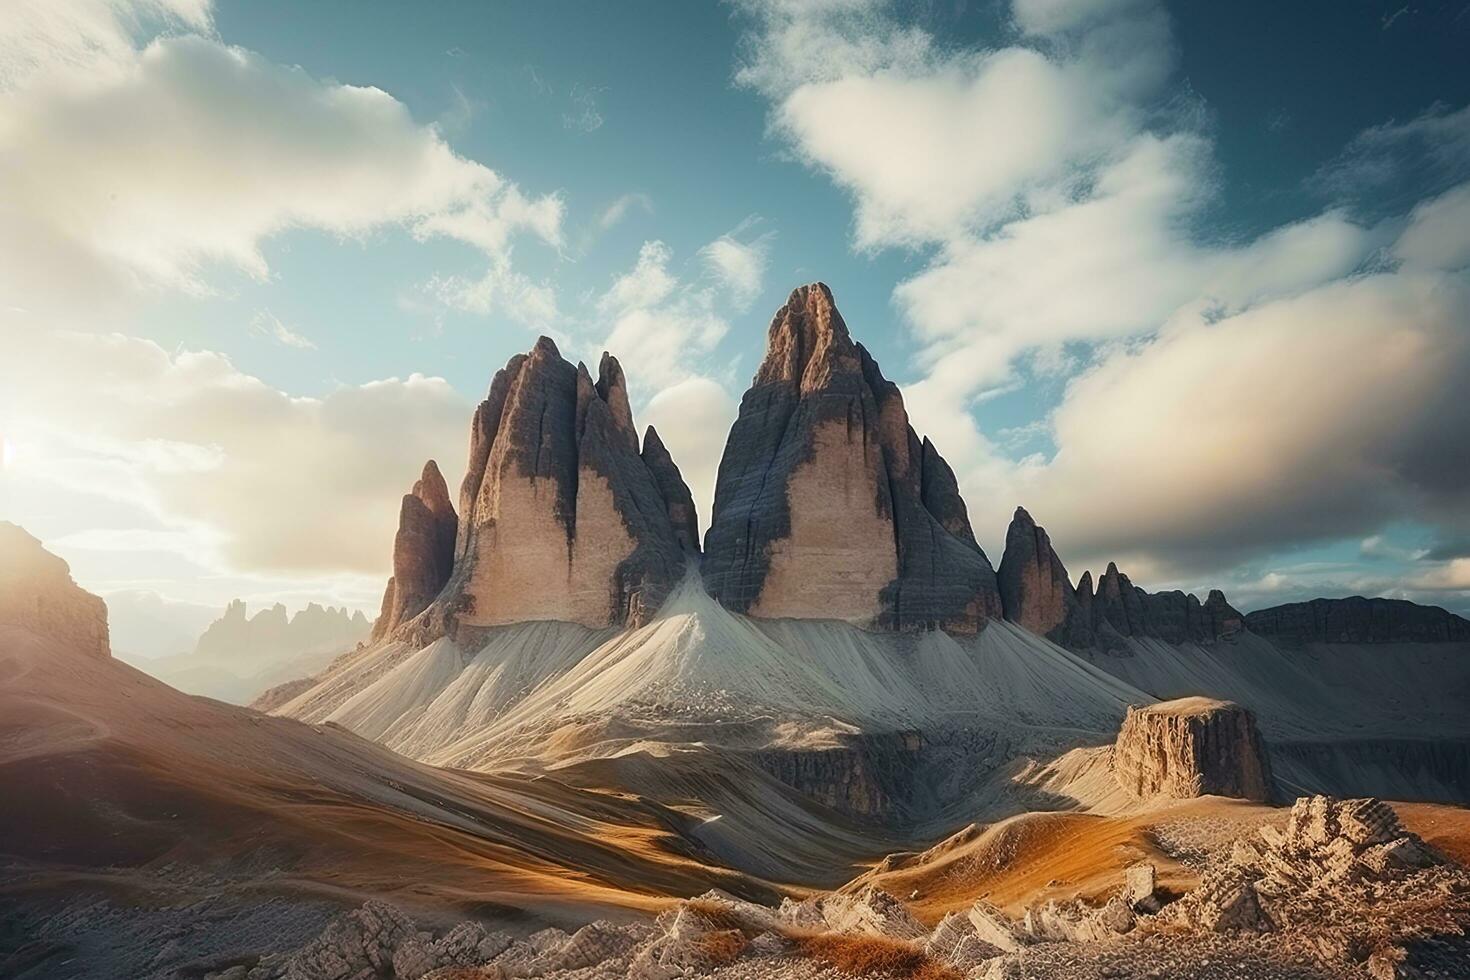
{"points": [[423, 551], [1359, 620], [37, 594], [828, 505], [1034, 588], [561, 517], [1192, 747]]}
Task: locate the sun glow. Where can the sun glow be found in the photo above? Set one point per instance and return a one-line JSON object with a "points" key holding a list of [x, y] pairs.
{"points": [[7, 453]]}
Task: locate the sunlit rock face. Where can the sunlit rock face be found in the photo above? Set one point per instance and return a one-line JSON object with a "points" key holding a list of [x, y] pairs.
{"points": [[37, 594], [1192, 747], [423, 551], [560, 516], [827, 504]]}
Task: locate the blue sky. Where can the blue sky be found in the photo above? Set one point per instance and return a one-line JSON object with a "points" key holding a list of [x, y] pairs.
{"points": [[1188, 280]]}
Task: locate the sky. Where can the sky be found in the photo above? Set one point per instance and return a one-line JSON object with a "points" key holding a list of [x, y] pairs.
{"points": [[1189, 281]]}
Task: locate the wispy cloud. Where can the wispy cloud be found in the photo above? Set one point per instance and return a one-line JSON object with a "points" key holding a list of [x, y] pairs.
{"points": [[267, 324]]}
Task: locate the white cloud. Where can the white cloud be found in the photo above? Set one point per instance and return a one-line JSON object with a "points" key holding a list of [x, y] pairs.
{"points": [[267, 324], [622, 207], [1222, 440], [60, 36], [739, 266], [257, 480], [143, 167], [1438, 234], [693, 418]]}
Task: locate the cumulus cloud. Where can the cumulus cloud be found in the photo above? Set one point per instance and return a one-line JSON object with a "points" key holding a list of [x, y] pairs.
{"points": [[739, 266], [1241, 395], [1309, 418], [662, 326], [241, 474], [143, 167], [693, 418]]}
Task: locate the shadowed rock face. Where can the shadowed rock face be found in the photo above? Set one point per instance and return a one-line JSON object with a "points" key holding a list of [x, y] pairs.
{"points": [[1359, 620], [675, 492], [1120, 608], [561, 517], [37, 593], [1035, 590], [1192, 747], [827, 505], [423, 551]]}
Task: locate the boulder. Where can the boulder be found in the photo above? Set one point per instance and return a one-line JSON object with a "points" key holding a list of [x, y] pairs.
{"points": [[37, 594], [828, 505], [1191, 747]]}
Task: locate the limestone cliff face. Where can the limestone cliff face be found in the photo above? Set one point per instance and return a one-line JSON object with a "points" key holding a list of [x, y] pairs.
{"points": [[423, 551], [1359, 620], [827, 505], [37, 594], [1192, 747], [560, 516]]}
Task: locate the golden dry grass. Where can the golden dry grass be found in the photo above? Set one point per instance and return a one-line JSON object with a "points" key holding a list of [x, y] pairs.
{"points": [[872, 956]]}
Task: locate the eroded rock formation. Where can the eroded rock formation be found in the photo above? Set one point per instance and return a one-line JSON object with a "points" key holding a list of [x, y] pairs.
{"points": [[1035, 590], [37, 594], [677, 498], [1192, 747], [827, 504], [1122, 608], [560, 516], [423, 551], [1359, 620]]}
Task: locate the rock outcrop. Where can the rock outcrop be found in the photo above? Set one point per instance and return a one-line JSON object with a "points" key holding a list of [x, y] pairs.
{"points": [[1192, 747], [1359, 620], [561, 518], [37, 594], [828, 505], [423, 551], [1035, 591], [1120, 608]]}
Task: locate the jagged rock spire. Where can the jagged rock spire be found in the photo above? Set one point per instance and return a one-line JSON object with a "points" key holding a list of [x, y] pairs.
{"points": [[423, 551], [1034, 588], [561, 517], [824, 494], [37, 594], [675, 492]]}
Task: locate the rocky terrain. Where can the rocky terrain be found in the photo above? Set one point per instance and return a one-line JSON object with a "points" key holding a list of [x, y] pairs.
{"points": [[1342, 890], [1359, 620]]}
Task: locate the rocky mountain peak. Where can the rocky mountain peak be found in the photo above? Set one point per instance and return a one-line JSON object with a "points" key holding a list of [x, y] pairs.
{"points": [[561, 516], [37, 594], [675, 492], [1035, 591], [808, 343], [827, 505], [423, 551]]}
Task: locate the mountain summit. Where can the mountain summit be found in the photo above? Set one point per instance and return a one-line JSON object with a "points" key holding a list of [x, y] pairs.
{"points": [[827, 504]]}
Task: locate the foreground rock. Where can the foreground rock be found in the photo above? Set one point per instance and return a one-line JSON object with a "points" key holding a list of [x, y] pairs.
{"points": [[37, 594], [1342, 891], [423, 551], [561, 517], [828, 505], [1191, 747]]}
